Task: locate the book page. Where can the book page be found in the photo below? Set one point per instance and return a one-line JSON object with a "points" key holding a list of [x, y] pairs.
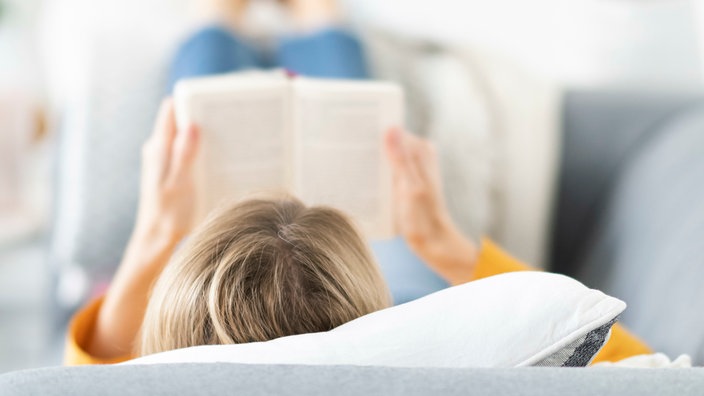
{"points": [[245, 135], [338, 153]]}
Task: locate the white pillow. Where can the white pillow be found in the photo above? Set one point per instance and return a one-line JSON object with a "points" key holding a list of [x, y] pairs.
{"points": [[510, 320]]}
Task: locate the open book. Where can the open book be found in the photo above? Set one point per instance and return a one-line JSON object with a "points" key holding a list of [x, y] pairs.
{"points": [[320, 140]]}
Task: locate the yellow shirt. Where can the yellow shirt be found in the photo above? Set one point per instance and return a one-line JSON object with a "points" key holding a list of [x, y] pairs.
{"points": [[492, 261]]}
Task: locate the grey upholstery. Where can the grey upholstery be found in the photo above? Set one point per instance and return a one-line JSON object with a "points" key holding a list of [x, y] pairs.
{"points": [[649, 246], [231, 379], [601, 131], [631, 211]]}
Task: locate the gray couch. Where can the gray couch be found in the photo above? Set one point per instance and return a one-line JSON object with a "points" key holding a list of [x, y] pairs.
{"points": [[629, 220], [233, 379]]}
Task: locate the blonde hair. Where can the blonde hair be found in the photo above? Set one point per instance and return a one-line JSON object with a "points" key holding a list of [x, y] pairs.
{"points": [[260, 270]]}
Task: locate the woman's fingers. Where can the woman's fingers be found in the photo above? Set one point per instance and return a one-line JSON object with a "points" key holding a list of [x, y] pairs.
{"points": [[400, 151], [417, 157], [392, 146], [426, 161], [394, 154], [157, 150], [184, 153], [165, 127], [171, 154]]}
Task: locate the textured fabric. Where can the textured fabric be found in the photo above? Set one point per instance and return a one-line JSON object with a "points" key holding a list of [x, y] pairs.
{"points": [[255, 380], [622, 344], [580, 352], [592, 343], [559, 358]]}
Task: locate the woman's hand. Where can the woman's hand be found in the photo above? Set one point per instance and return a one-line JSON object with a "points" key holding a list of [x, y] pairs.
{"points": [[167, 209], [421, 215], [167, 202]]}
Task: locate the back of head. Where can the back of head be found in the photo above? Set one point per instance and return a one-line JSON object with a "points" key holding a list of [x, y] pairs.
{"points": [[260, 270]]}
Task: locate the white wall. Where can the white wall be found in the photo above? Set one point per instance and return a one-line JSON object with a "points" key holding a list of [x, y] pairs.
{"points": [[19, 67], [584, 42]]}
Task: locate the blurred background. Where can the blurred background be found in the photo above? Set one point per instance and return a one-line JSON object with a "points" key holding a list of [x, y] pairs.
{"points": [[571, 131]]}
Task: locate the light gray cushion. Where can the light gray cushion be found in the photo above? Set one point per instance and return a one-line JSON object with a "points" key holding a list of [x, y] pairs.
{"points": [[602, 130], [232, 379], [649, 246]]}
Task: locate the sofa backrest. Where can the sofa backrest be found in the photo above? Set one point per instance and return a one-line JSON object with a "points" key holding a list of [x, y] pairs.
{"points": [[601, 131], [630, 216]]}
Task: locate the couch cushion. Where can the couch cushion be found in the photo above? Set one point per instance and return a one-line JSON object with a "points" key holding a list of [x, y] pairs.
{"points": [[602, 131], [648, 246], [234, 379]]}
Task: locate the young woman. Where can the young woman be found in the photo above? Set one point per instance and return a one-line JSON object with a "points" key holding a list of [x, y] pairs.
{"points": [[267, 268]]}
